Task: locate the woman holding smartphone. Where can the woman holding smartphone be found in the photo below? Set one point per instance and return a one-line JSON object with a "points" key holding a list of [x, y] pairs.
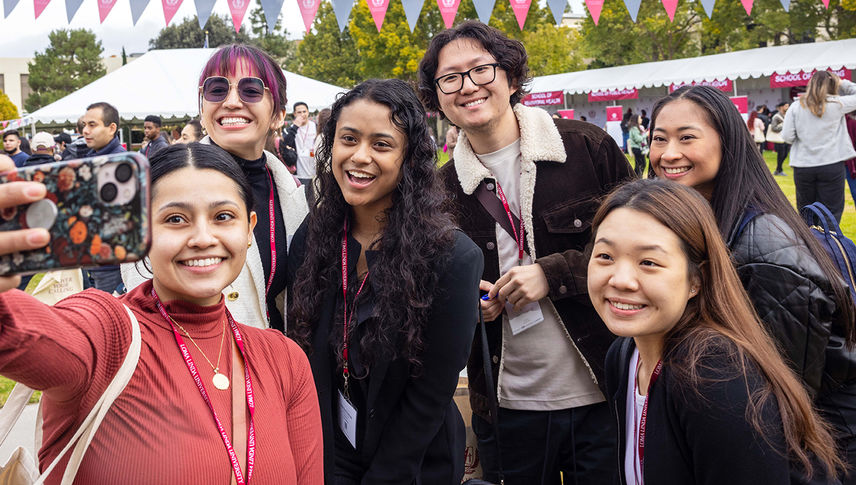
{"points": [[178, 420], [386, 295], [699, 390], [242, 99], [699, 140]]}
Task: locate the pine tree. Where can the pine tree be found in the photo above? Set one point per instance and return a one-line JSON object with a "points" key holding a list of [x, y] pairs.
{"points": [[71, 61]]}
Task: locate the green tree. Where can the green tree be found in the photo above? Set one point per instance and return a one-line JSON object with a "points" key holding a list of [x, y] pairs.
{"points": [[8, 110], [275, 43], [327, 54], [553, 50], [71, 61], [187, 34]]}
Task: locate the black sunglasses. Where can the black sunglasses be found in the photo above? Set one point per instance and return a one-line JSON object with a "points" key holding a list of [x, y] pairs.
{"points": [[215, 89]]}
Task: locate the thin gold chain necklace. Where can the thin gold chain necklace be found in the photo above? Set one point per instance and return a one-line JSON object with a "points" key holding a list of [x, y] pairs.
{"points": [[219, 380]]}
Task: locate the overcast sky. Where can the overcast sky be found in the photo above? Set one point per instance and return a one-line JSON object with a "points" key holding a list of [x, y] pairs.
{"points": [[21, 35]]}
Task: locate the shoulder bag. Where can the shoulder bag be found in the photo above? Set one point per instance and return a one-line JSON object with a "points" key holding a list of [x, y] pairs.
{"points": [[21, 468]]}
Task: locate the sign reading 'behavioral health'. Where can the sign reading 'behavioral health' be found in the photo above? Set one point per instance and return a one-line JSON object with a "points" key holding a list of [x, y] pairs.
{"points": [[549, 98]]}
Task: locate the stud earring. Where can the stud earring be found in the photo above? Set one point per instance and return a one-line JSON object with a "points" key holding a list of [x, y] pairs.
{"points": [[249, 243]]}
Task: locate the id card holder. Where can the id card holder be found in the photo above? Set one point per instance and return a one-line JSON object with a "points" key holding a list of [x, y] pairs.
{"points": [[348, 420], [529, 316]]}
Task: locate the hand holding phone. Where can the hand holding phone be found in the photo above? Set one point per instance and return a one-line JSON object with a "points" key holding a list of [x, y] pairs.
{"points": [[13, 194], [96, 210]]}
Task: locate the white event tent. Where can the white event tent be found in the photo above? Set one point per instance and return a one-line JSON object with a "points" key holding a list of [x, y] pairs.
{"points": [[165, 83], [745, 64]]}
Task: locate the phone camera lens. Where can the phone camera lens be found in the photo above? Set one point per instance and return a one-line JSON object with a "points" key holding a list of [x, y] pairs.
{"points": [[109, 191], [124, 172]]}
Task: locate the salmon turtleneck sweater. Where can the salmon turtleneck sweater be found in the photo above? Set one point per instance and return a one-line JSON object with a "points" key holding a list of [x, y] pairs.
{"points": [[159, 430]]}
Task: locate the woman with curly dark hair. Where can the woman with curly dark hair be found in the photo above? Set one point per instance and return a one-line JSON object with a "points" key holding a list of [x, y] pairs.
{"points": [[385, 295]]}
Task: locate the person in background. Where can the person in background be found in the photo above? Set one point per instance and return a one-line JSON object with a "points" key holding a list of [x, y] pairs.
{"points": [[817, 132], [383, 275], [851, 164], [43, 150], [12, 147], [774, 134], [77, 148], [25, 145], [756, 128], [699, 139], [62, 141], [191, 132], [542, 179], [155, 139], [101, 133], [645, 120], [261, 390], [699, 390], [626, 122], [320, 121], [638, 145], [304, 142]]}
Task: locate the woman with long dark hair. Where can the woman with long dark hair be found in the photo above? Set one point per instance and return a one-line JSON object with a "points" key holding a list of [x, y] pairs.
{"points": [[816, 129], [211, 400], [698, 139], [385, 299], [700, 391]]}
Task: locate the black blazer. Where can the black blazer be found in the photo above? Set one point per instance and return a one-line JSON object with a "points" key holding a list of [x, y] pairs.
{"points": [[412, 432], [700, 437]]}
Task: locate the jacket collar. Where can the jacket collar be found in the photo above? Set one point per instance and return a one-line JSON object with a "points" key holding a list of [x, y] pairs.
{"points": [[112, 147], [539, 140]]}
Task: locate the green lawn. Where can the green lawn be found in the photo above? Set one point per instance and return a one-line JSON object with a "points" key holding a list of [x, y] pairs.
{"points": [[6, 386]]}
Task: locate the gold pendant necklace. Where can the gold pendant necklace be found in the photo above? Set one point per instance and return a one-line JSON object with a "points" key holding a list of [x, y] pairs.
{"points": [[219, 380]]}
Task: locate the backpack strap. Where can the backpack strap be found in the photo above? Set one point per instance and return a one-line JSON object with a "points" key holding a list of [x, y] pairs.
{"points": [[748, 215]]}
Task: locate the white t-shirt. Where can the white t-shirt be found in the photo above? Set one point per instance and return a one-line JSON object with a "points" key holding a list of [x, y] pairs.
{"points": [[540, 369], [304, 141], [632, 422]]}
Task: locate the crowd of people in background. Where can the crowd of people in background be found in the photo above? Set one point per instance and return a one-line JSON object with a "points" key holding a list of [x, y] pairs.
{"points": [[687, 329]]}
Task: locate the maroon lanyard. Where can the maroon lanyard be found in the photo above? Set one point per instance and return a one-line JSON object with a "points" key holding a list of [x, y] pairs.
{"points": [[191, 366], [643, 420], [272, 236], [345, 372], [517, 238]]}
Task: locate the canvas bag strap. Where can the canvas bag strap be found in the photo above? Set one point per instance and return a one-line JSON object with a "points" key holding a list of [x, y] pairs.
{"points": [[492, 398], [13, 408], [83, 435]]}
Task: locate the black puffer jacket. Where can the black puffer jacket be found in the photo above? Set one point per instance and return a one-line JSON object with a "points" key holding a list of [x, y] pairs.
{"points": [[794, 298]]}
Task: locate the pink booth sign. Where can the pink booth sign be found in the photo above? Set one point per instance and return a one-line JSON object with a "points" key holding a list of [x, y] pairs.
{"points": [[566, 114], [549, 98], [613, 95], [802, 78]]}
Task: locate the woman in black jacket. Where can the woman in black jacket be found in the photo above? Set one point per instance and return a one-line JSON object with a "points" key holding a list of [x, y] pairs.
{"points": [[698, 139], [385, 299], [699, 390]]}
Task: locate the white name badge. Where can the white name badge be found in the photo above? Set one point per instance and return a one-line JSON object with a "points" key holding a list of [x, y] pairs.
{"points": [[526, 318], [348, 420]]}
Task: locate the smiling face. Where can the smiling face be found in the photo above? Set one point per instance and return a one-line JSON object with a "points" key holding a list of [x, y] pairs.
{"points": [[638, 278], [240, 128], [475, 109], [367, 155], [200, 232], [685, 147]]}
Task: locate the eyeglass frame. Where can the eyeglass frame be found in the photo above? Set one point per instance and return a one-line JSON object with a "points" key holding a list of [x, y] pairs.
{"points": [[468, 74], [231, 84]]}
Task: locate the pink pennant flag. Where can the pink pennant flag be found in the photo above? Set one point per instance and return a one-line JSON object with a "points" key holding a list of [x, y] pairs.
{"points": [[747, 5], [169, 9], [826, 4], [104, 7], [40, 6], [448, 9], [671, 6], [594, 8], [308, 10], [238, 9], [521, 10], [378, 11], [5, 124]]}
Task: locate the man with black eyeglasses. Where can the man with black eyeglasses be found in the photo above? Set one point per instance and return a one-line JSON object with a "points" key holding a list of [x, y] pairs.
{"points": [[525, 188]]}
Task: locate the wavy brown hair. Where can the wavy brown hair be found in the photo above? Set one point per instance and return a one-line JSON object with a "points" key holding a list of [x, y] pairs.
{"points": [[413, 249], [722, 310], [822, 85]]}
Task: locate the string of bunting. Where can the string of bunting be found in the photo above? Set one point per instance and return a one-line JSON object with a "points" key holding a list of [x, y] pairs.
{"points": [[378, 8]]}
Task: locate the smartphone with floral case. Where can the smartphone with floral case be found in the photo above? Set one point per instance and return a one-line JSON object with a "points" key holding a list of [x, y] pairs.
{"points": [[96, 210]]}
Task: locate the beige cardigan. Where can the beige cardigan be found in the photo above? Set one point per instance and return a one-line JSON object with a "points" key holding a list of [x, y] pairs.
{"points": [[249, 308]]}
